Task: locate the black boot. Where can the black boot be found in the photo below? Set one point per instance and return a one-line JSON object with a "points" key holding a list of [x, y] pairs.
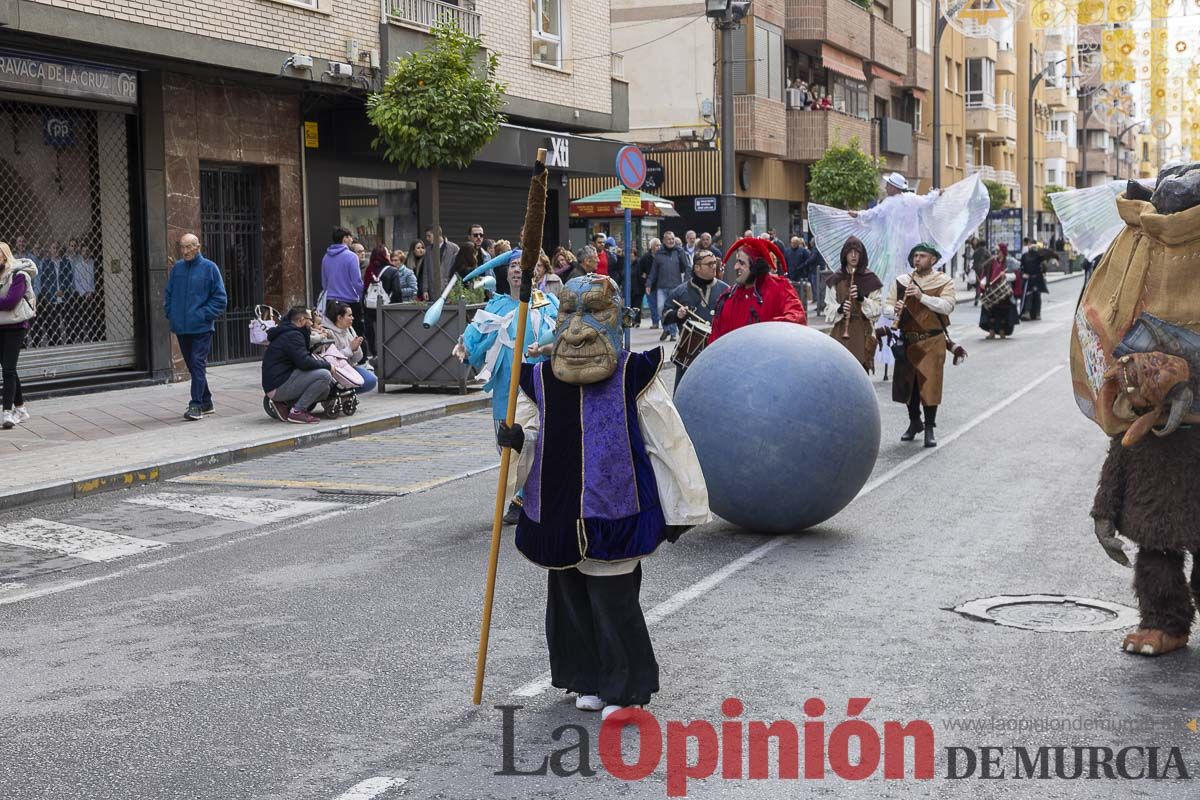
{"points": [[930, 424], [914, 424]]}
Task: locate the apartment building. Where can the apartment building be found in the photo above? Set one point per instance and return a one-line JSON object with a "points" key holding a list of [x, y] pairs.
{"points": [[564, 85], [132, 122], [873, 60]]}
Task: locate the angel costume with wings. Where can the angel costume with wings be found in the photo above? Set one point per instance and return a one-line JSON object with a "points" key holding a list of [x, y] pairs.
{"points": [[898, 223]]}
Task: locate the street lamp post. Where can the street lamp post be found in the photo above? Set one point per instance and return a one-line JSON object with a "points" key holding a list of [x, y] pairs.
{"points": [[938, 29], [727, 17], [1034, 80], [1121, 136]]}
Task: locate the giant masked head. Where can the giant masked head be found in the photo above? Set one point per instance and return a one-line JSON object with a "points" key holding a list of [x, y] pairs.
{"points": [[589, 333]]}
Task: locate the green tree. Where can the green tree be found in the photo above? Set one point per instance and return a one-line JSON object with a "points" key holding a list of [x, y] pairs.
{"points": [[1051, 188], [438, 107], [997, 194], [845, 177]]}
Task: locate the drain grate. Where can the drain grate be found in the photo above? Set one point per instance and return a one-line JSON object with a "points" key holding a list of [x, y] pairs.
{"points": [[354, 498], [1051, 612]]}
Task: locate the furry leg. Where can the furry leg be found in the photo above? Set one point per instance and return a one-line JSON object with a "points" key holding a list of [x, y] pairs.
{"points": [[1165, 600]]}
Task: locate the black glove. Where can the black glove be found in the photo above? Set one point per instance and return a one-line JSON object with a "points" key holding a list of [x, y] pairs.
{"points": [[513, 437]]}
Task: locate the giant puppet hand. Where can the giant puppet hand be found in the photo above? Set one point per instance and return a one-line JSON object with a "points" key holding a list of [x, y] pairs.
{"points": [[1106, 534]]}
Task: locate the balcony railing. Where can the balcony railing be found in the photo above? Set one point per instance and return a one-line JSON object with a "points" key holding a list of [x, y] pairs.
{"points": [[988, 173], [424, 14], [811, 133], [1006, 177], [760, 125], [1005, 111], [1006, 61], [920, 69], [889, 46], [1056, 136]]}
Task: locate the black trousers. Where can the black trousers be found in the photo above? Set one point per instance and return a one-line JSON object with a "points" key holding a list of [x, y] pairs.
{"points": [[914, 408], [1165, 596], [11, 342], [1033, 304], [597, 637]]}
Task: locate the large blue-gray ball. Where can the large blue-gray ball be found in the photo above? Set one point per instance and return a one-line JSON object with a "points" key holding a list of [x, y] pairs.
{"points": [[785, 423]]}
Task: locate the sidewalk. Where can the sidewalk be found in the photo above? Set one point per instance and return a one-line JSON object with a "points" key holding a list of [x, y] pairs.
{"points": [[79, 445]]}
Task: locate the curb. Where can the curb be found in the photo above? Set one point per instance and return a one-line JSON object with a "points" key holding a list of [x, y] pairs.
{"points": [[144, 474]]}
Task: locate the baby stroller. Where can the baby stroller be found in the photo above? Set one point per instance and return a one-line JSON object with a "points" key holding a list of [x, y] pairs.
{"points": [[343, 393]]}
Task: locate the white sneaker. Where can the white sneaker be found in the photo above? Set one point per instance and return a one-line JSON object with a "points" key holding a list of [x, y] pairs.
{"points": [[20, 415], [7, 420], [610, 710], [588, 702]]}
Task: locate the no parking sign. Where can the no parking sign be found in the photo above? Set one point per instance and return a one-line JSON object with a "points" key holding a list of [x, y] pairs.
{"points": [[631, 167]]}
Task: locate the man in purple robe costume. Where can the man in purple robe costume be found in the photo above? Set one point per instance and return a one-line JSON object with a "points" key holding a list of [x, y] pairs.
{"points": [[609, 474]]}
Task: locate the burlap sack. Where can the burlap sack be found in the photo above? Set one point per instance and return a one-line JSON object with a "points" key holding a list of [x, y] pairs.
{"points": [[1153, 266]]}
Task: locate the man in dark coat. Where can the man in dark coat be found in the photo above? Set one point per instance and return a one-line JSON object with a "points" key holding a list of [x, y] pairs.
{"points": [[697, 298], [293, 378], [669, 269], [1034, 272]]}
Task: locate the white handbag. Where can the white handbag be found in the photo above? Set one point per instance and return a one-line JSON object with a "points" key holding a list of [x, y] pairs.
{"points": [[265, 318], [376, 294]]}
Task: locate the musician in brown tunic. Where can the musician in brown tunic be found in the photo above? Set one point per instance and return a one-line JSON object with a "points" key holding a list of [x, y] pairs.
{"points": [[922, 302], [854, 303]]}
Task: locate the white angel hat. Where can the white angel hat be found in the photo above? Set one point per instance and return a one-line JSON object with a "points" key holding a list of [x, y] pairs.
{"points": [[897, 180]]}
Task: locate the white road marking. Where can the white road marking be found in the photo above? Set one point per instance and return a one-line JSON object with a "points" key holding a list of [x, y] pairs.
{"points": [[71, 540], [135, 568], [10, 587], [256, 510], [707, 584], [371, 787]]}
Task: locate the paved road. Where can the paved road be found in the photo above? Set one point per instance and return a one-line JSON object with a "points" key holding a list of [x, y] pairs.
{"points": [[304, 626]]}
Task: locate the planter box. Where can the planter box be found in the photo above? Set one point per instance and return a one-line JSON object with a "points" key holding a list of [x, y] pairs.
{"points": [[410, 355]]}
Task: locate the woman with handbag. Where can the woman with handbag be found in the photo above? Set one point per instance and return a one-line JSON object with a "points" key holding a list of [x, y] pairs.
{"points": [[18, 305], [349, 344], [998, 314]]}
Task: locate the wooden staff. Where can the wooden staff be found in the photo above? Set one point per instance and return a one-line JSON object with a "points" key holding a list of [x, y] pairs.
{"points": [[531, 247]]}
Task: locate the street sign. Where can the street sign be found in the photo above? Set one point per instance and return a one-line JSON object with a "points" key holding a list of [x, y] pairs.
{"points": [[631, 166], [705, 204], [631, 200], [655, 176]]}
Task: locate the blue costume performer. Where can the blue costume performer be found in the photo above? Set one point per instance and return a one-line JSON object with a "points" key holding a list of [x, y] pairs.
{"points": [[488, 345], [609, 474]]}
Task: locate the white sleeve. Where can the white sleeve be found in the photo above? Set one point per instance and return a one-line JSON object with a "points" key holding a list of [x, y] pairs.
{"points": [[943, 304], [833, 309], [872, 305], [527, 417], [681, 488]]}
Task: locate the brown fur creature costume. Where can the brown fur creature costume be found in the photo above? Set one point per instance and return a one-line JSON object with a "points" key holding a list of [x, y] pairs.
{"points": [[1148, 493]]}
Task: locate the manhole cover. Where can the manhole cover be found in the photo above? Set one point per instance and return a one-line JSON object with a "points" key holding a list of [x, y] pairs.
{"points": [[355, 498], [1051, 612]]}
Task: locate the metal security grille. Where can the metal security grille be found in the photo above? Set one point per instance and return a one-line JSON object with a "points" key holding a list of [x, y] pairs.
{"points": [[65, 205], [231, 236]]}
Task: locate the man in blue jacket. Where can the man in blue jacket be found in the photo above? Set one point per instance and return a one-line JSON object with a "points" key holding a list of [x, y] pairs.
{"points": [[293, 378], [341, 274], [193, 299]]}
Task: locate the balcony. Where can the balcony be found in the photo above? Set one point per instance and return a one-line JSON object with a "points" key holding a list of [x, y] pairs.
{"points": [[760, 125], [1006, 61], [841, 23], [988, 173], [811, 133], [889, 46], [771, 11], [1098, 161], [424, 14], [982, 48], [1058, 98], [981, 118], [919, 72], [1006, 122], [1056, 145], [1006, 178]]}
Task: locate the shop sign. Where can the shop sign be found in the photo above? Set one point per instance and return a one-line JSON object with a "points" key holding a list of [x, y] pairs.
{"points": [[85, 81], [58, 131]]}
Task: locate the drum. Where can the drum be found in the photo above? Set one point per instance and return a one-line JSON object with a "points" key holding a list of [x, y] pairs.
{"points": [[693, 336]]}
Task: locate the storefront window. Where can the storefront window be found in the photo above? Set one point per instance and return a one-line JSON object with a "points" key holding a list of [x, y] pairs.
{"points": [[65, 204], [379, 211]]}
